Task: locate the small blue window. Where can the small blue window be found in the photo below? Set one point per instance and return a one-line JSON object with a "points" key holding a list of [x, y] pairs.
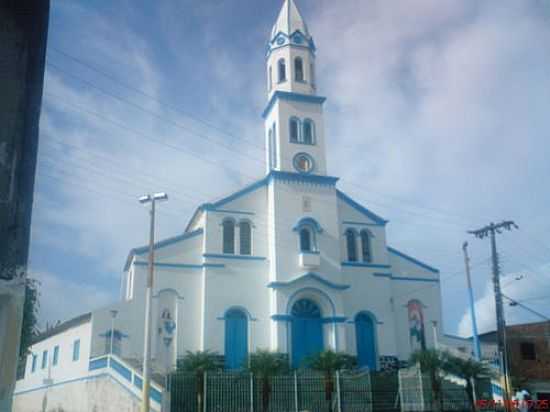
{"points": [[305, 240], [294, 130], [282, 70], [351, 245], [76, 350], [34, 357], [365, 246], [228, 236], [299, 69], [309, 132], [44, 359], [55, 355]]}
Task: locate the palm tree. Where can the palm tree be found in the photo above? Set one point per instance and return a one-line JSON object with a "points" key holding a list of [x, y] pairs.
{"points": [[469, 370], [432, 362], [328, 362], [200, 362], [264, 365]]}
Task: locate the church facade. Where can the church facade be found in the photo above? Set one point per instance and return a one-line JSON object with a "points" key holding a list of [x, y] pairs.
{"points": [[289, 263]]}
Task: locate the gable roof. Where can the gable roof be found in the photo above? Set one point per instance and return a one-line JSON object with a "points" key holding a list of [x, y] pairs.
{"points": [[361, 209], [160, 244], [62, 327], [412, 260]]}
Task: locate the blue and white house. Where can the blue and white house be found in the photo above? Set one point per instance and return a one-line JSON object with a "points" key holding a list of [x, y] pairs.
{"points": [[289, 263]]}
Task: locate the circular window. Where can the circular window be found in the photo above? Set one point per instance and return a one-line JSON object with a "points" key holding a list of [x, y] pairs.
{"points": [[280, 40], [303, 163]]}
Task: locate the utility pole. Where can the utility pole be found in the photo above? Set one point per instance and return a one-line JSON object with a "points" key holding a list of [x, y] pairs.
{"points": [[491, 230], [477, 351], [148, 300]]}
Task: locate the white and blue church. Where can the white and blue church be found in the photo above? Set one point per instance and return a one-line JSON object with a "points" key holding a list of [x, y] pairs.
{"points": [[289, 263]]}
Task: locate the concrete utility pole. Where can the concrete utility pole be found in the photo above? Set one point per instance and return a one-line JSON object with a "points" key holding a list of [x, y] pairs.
{"points": [[491, 230], [148, 300], [477, 351]]}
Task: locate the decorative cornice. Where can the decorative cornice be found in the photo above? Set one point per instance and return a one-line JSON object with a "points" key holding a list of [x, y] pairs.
{"points": [[366, 265], [229, 256], [308, 276], [304, 178], [295, 97], [180, 265]]}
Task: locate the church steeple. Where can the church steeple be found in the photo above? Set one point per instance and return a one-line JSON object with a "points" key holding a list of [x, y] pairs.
{"points": [[289, 21], [294, 114]]}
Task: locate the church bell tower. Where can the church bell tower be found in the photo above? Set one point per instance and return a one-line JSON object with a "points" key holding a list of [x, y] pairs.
{"points": [[295, 138]]}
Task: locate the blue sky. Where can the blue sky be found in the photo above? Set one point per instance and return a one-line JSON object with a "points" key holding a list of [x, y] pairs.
{"points": [[437, 119]]}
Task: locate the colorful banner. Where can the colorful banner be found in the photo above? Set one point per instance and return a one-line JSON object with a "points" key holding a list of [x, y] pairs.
{"points": [[416, 326]]}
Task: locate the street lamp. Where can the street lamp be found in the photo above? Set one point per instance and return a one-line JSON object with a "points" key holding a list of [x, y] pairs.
{"points": [[148, 298]]}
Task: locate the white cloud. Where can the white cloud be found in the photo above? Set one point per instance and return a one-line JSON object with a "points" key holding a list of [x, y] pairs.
{"points": [[524, 287], [62, 299]]}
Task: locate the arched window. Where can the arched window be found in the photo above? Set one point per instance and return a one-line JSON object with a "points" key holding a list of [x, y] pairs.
{"points": [[298, 69], [306, 244], [294, 129], [282, 70], [309, 132], [365, 246], [228, 236], [269, 79], [245, 238], [236, 339], [350, 246], [312, 74]]}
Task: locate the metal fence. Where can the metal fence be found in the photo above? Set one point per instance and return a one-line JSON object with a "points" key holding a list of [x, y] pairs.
{"points": [[300, 391]]}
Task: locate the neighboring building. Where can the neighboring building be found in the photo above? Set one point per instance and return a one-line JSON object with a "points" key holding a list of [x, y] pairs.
{"points": [[289, 263], [528, 347], [23, 32]]}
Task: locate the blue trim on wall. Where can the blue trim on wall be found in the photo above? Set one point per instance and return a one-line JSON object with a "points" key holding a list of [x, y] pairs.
{"points": [[366, 265], [181, 265], [349, 222], [229, 256], [282, 318], [121, 369], [412, 260], [385, 275], [308, 221], [97, 364], [295, 97], [334, 319], [236, 212], [171, 265], [308, 276], [302, 177], [236, 195], [414, 279], [237, 307], [361, 209]]}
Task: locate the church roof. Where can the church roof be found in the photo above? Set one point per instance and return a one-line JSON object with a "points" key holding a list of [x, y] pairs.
{"points": [[289, 21]]}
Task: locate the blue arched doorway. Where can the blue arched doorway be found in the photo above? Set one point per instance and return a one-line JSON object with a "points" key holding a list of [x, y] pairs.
{"points": [[307, 331], [366, 341], [236, 339]]}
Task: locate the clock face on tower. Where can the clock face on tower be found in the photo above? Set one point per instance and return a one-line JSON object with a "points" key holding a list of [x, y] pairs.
{"points": [[303, 163]]}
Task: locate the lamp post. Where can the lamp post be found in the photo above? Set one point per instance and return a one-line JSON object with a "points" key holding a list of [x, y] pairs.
{"points": [[113, 316], [148, 298]]}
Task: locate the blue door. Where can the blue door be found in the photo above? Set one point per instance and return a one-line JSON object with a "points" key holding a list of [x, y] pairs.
{"points": [[307, 331], [236, 339], [366, 343]]}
